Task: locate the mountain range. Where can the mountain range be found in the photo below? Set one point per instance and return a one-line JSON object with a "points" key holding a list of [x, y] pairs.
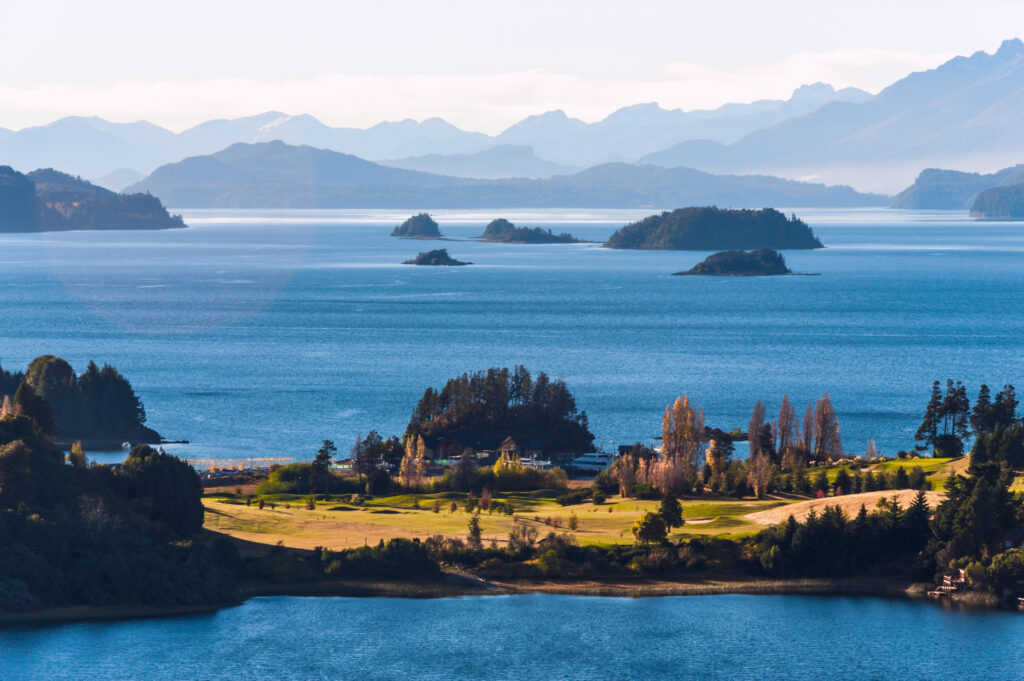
{"points": [[968, 112], [278, 175], [965, 113], [106, 152]]}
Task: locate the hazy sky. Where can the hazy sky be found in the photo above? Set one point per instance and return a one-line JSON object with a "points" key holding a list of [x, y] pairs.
{"points": [[481, 65]]}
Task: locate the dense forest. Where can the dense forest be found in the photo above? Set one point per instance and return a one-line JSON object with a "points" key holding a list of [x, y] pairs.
{"points": [[715, 229], [97, 406], [504, 402], [48, 200], [762, 262], [503, 231], [420, 226]]}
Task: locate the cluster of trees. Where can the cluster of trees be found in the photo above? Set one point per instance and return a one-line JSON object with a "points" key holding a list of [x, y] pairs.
{"points": [[780, 448], [98, 405], [830, 545], [949, 418], [504, 402], [78, 534]]}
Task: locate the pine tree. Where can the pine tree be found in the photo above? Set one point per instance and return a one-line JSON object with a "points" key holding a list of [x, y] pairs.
{"points": [[475, 531], [929, 428], [981, 415]]}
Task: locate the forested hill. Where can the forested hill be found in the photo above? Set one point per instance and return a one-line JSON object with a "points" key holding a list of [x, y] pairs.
{"points": [[98, 406], [937, 189], [1000, 202], [277, 175], [48, 200], [715, 229]]}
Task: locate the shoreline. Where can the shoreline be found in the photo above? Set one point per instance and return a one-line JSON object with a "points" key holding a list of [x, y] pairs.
{"points": [[455, 585]]}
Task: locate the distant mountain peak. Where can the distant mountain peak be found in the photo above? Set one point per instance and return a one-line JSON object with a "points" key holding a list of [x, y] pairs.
{"points": [[814, 90], [1010, 48]]}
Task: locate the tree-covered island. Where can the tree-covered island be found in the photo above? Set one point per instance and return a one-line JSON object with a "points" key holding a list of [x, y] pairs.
{"points": [[420, 226], [437, 257], [715, 229], [760, 263], [503, 231]]}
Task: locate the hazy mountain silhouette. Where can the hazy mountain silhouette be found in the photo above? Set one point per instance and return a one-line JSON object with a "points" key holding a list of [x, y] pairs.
{"points": [[966, 112], [504, 160], [636, 130], [277, 175]]}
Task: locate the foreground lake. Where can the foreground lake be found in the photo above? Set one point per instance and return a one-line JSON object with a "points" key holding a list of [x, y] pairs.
{"points": [[262, 333], [534, 637]]}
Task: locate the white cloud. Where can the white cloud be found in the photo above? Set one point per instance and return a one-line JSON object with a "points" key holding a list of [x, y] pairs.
{"points": [[486, 102]]}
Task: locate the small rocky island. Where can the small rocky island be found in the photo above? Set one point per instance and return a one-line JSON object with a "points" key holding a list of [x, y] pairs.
{"points": [[503, 231], [439, 257], [48, 200], [760, 263], [715, 229], [420, 226]]}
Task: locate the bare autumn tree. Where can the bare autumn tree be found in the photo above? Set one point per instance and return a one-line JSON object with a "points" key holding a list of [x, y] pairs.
{"points": [[809, 428], [754, 428], [625, 473], [787, 427], [760, 474], [827, 445]]}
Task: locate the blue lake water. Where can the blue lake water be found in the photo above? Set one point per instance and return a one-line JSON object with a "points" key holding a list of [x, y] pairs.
{"points": [[258, 334], [729, 638]]}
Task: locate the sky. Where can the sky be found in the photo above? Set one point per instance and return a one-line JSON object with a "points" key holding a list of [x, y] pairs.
{"points": [[479, 64]]}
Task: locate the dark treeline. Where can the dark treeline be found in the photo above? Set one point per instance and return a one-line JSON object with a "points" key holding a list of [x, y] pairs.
{"points": [[97, 405], [74, 534], [504, 402]]}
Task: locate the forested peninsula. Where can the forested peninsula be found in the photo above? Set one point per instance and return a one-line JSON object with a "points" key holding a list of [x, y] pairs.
{"points": [[472, 498], [98, 406], [1000, 202], [48, 200], [715, 229]]}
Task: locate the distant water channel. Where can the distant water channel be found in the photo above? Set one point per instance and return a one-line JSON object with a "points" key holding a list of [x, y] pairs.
{"points": [[728, 638], [258, 334]]}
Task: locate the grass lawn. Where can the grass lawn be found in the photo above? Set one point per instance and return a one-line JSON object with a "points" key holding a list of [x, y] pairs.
{"points": [[340, 525], [937, 470]]}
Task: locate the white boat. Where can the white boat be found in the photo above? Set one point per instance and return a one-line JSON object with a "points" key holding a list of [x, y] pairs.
{"points": [[594, 462]]}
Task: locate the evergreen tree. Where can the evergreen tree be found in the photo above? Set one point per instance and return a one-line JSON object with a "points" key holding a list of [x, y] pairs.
{"points": [[981, 415], [929, 428], [671, 511], [320, 471], [843, 483]]}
